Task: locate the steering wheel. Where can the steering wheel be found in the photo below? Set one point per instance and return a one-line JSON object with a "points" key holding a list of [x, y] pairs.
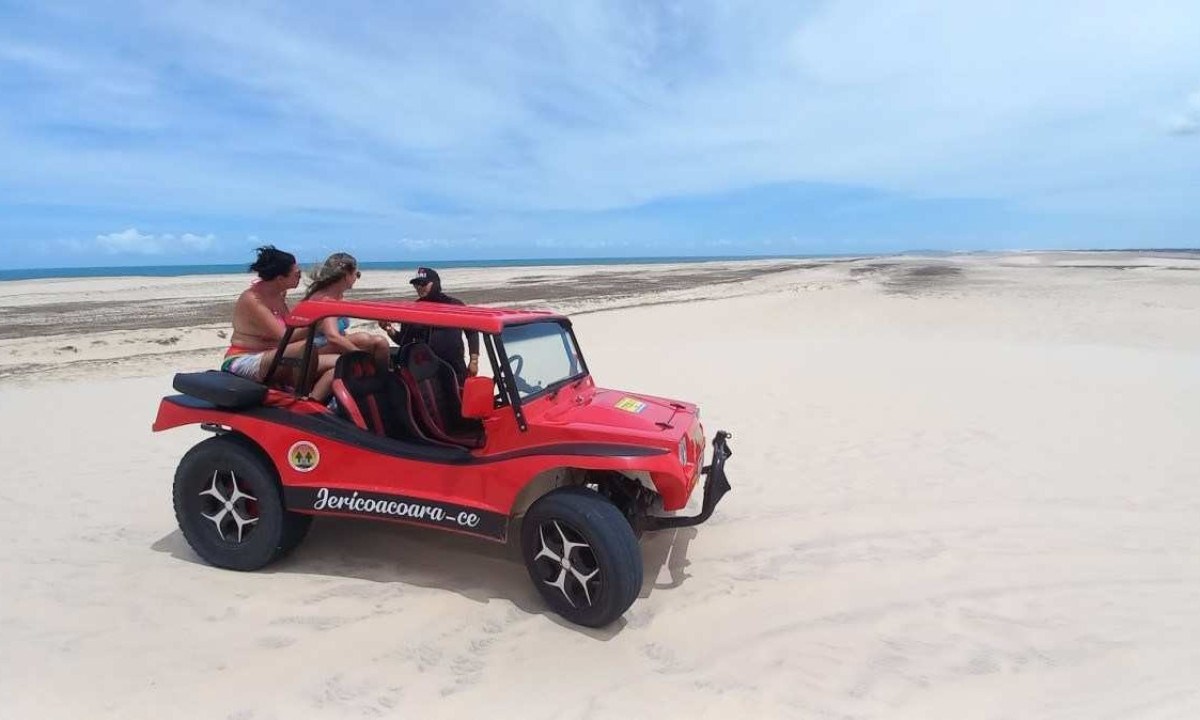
{"points": [[518, 364]]}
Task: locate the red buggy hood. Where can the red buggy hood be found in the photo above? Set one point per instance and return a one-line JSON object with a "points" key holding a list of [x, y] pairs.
{"points": [[619, 410]]}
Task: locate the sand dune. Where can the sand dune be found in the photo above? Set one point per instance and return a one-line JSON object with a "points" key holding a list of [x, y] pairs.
{"points": [[963, 487]]}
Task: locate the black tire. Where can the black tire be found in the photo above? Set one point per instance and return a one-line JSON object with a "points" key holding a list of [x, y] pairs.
{"points": [[295, 529], [229, 505], [604, 572]]}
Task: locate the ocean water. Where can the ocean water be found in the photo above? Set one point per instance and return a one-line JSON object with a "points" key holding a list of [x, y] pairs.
{"points": [[180, 270]]}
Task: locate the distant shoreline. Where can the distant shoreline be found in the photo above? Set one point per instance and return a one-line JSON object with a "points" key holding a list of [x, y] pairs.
{"points": [[241, 268], [116, 271]]}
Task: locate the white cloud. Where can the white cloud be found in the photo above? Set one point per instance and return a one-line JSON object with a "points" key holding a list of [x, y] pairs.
{"points": [[594, 105], [194, 242], [433, 243], [575, 241], [130, 241], [1188, 121], [618, 104]]}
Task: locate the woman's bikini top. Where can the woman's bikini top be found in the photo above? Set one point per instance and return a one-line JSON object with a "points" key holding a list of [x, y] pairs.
{"points": [[343, 324]]}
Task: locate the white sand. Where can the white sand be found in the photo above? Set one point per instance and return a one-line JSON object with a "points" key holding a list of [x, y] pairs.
{"points": [[974, 498]]}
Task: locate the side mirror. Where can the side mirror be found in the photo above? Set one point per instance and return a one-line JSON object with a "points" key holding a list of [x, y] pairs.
{"points": [[477, 397]]}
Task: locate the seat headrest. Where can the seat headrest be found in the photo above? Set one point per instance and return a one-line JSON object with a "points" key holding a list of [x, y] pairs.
{"points": [[422, 362], [354, 366]]}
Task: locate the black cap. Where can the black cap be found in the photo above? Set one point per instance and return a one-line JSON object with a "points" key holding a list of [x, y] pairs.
{"points": [[425, 275]]}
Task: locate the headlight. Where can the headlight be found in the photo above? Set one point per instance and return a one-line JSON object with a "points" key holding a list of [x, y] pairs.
{"points": [[683, 450]]}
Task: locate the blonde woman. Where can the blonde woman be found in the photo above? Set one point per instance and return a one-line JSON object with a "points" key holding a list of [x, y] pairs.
{"points": [[330, 281]]}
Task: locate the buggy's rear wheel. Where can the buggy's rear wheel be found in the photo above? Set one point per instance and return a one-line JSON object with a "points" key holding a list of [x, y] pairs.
{"points": [[229, 505], [582, 556]]}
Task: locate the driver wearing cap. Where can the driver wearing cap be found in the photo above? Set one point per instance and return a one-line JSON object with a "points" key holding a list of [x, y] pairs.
{"points": [[447, 343]]}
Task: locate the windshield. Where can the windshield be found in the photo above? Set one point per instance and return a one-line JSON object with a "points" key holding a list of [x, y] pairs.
{"points": [[540, 354]]}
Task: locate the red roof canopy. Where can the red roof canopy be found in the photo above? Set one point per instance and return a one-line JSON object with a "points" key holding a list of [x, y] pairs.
{"points": [[470, 317]]}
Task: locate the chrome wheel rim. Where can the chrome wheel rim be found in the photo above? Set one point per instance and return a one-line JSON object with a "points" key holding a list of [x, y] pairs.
{"points": [[232, 512], [565, 562]]}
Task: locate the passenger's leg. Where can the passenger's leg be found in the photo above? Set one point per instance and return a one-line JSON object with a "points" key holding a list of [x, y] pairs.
{"points": [[379, 347], [323, 387], [282, 375], [382, 352], [288, 371]]}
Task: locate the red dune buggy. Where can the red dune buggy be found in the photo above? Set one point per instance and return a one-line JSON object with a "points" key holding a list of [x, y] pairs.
{"points": [[537, 449]]}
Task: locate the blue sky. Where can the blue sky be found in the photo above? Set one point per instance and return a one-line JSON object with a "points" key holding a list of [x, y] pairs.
{"points": [[187, 132]]}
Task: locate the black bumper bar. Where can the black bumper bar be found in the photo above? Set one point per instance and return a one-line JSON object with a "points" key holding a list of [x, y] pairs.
{"points": [[714, 488]]}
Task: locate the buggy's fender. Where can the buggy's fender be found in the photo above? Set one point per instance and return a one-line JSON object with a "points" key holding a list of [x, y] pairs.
{"points": [[179, 410], [658, 472]]}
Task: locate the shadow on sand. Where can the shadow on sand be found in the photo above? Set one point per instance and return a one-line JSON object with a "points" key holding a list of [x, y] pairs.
{"points": [[475, 569]]}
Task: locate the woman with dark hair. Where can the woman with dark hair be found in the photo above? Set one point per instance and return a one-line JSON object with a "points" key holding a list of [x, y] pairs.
{"points": [[259, 316], [330, 281]]}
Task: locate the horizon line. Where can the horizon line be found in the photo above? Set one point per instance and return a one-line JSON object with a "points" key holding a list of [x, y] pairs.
{"points": [[610, 258]]}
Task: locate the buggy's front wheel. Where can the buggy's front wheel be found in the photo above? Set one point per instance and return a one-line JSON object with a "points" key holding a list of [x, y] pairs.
{"points": [[582, 556]]}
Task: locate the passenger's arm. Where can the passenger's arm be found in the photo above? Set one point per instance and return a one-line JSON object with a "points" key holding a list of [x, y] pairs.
{"points": [[334, 335], [473, 352], [396, 334]]}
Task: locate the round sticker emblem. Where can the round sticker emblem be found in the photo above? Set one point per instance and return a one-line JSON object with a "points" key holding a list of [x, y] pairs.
{"points": [[303, 456]]}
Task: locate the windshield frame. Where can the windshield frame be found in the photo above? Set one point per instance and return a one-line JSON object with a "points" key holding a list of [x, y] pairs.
{"points": [[510, 385]]}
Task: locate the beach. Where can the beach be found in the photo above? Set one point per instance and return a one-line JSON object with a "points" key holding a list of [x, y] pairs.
{"points": [[963, 486]]}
